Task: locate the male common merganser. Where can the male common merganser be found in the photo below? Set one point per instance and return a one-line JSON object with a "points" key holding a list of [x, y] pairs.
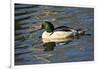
{"points": [[59, 34]]}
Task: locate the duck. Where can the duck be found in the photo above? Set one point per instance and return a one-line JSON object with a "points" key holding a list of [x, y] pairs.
{"points": [[59, 34]]}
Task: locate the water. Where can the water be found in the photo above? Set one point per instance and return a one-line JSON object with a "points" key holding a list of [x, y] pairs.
{"points": [[27, 39]]}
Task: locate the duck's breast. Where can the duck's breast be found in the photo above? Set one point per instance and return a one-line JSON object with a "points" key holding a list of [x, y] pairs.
{"points": [[57, 36]]}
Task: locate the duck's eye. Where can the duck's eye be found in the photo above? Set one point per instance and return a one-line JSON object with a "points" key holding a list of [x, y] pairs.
{"points": [[42, 26]]}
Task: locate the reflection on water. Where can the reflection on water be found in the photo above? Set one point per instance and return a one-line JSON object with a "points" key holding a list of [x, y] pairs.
{"points": [[29, 48], [49, 46]]}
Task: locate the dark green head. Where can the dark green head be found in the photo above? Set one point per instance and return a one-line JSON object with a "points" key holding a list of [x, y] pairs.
{"points": [[48, 26]]}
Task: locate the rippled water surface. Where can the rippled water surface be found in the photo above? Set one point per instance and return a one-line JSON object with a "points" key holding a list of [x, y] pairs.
{"points": [[29, 17]]}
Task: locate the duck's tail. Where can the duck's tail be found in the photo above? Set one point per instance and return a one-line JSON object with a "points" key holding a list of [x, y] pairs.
{"points": [[81, 32]]}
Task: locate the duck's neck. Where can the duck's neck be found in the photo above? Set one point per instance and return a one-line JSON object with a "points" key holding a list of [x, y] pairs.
{"points": [[49, 30]]}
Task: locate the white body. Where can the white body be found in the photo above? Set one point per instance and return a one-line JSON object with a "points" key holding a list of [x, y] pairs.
{"points": [[57, 36]]}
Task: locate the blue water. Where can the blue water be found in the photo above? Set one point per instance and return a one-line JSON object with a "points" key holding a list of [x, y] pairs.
{"points": [[27, 38]]}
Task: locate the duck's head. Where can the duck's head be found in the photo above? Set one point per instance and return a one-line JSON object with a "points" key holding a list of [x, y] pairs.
{"points": [[48, 26]]}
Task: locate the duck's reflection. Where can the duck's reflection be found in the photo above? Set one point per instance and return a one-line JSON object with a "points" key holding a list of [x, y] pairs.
{"points": [[49, 46]]}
